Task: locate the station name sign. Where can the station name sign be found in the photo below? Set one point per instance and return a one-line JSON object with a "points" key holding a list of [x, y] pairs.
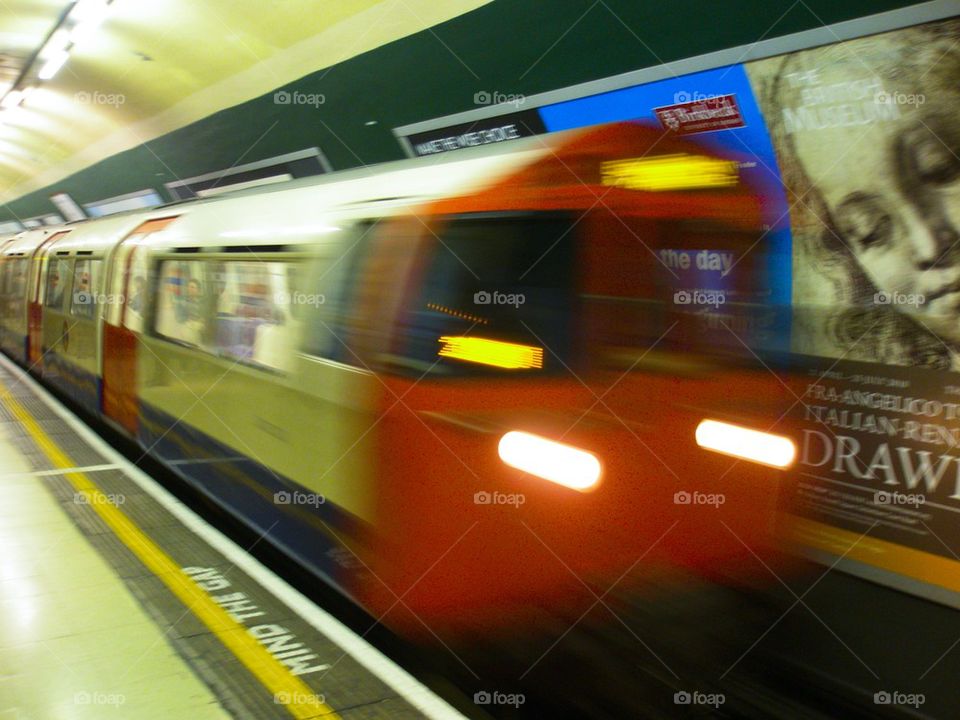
{"points": [[488, 131]]}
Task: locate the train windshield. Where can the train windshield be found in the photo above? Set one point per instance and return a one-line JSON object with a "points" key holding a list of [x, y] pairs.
{"points": [[495, 294]]}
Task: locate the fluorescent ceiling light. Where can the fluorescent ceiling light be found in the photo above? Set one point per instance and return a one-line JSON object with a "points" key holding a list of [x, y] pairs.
{"points": [[82, 32], [12, 99], [88, 11], [53, 65], [88, 14], [57, 43]]}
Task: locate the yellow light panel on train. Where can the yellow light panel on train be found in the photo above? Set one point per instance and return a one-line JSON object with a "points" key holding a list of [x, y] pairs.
{"points": [[491, 352], [680, 171], [562, 464], [754, 445]]}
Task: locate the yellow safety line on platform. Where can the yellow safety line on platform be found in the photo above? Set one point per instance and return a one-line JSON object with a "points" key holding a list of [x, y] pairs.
{"points": [[915, 564], [299, 699]]}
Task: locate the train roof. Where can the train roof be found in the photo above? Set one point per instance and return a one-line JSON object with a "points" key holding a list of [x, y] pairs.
{"points": [[306, 210], [24, 243], [100, 234]]}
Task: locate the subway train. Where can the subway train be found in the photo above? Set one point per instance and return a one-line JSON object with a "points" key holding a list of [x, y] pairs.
{"points": [[467, 391]]}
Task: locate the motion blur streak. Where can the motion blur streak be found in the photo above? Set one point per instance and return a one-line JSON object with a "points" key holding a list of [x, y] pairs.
{"points": [[492, 352], [553, 461], [669, 172], [759, 447]]}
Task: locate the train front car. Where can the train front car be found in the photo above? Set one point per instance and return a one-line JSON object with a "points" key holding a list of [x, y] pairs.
{"points": [[564, 356]]}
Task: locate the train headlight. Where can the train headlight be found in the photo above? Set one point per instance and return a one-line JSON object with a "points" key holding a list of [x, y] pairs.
{"points": [[754, 445], [553, 461]]}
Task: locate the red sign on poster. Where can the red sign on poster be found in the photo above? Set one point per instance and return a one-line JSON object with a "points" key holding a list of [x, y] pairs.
{"points": [[718, 112]]}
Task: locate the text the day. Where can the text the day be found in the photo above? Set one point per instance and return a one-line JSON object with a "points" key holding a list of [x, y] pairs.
{"points": [[704, 260]]}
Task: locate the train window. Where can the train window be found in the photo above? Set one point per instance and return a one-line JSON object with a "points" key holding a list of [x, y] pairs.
{"points": [[5, 308], [86, 288], [58, 272], [327, 319], [6, 273], [18, 285], [135, 304], [497, 295], [181, 300], [258, 311]]}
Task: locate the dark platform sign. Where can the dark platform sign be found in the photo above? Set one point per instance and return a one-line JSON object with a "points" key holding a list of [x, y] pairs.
{"points": [[488, 131]]}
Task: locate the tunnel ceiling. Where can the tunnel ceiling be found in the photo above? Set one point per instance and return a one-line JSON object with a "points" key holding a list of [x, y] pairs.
{"points": [[151, 67]]}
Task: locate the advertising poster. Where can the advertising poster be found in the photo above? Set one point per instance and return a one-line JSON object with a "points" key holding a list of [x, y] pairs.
{"points": [[868, 146]]}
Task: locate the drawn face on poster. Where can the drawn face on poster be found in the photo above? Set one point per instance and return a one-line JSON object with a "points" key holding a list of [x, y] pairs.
{"points": [[869, 147]]}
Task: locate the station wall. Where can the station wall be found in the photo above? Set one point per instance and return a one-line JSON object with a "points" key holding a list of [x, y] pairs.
{"points": [[516, 47]]}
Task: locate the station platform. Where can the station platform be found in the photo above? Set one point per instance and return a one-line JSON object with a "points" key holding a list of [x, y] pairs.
{"points": [[116, 600]]}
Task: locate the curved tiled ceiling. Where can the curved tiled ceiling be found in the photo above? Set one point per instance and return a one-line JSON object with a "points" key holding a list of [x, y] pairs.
{"points": [[151, 67]]}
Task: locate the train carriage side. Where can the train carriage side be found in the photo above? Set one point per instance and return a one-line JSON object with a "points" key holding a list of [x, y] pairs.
{"points": [[21, 259], [243, 385], [5, 242], [75, 296]]}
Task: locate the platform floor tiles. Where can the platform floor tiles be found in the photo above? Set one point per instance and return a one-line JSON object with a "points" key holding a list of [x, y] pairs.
{"points": [[74, 643]]}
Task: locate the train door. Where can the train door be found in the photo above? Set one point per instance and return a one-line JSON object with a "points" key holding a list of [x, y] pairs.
{"points": [[35, 302], [123, 321], [55, 333], [79, 353]]}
